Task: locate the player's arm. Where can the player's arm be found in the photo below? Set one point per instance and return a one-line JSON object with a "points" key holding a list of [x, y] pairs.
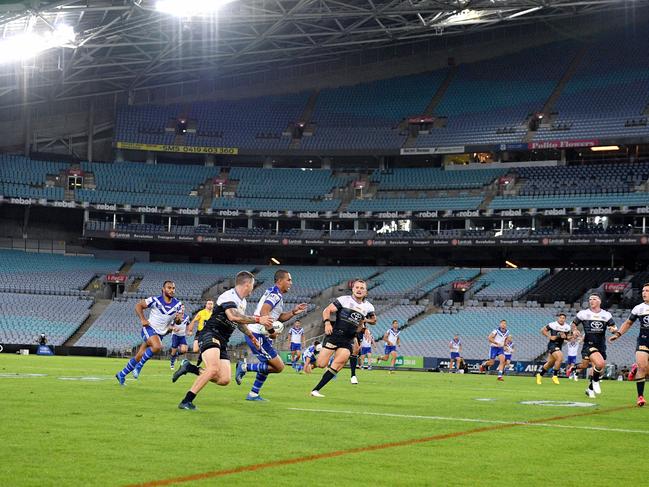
{"points": [[326, 317], [140, 306], [628, 323], [287, 315], [385, 337], [266, 308], [242, 320], [491, 338], [370, 319], [399, 341], [545, 331], [190, 327]]}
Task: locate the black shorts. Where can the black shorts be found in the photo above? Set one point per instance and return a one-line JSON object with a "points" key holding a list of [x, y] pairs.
{"points": [[333, 342], [593, 345], [208, 339], [643, 343], [553, 347]]}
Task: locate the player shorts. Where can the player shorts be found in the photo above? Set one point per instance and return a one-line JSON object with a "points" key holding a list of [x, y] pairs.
{"points": [[495, 351], [334, 342], [265, 352], [177, 341], [389, 349], [643, 343], [572, 359], [594, 345], [210, 339], [553, 347], [148, 332], [296, 347], [366, 350], [508, 357], [455, 355]]}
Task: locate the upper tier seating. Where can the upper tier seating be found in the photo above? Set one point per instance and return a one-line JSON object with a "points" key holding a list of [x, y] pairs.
{"points": [[568, 285]]}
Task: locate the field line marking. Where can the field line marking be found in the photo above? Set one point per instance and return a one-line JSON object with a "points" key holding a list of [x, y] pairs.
{"points": [[364, 449], [474, 420]]}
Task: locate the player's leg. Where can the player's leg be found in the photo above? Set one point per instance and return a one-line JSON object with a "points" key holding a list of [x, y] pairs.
{"points": [[341, 355], [549, 362], [212, 358], [131, 364], [558, 360], [501, 365], [642, 359], [393, 360], [172, 357], [353, 360], [274, 365], [599, 363], [224, 373], [154, 346]]}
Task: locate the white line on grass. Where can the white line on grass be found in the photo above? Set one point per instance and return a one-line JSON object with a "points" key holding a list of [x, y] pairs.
{"points": [[472, 420]]}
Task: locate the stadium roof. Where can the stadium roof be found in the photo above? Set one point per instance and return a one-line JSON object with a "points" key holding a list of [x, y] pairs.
{"points": [[123, 46]]}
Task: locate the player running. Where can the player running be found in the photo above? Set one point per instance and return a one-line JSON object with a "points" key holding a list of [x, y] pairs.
{"points": [[228, 314], [367, 344], [455, 349], [497, 340], [352, 312], [594, 321], [296, 343], [573, 350], [556, 332], [165, 310], [178, 338], [640, 312], [270, 304], [392, 341], [310, 355]]}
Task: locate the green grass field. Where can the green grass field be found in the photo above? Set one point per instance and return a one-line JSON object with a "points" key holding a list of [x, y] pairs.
{"points": [[404, 429]]}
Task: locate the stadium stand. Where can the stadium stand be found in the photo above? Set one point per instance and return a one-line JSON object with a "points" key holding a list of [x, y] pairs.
{"points": [[416, 204], [21, 177], [433, 178], [570, 201], [507, 284], [24, 272], [24, 316], [403, 282], [568, 285], [490, 101]]}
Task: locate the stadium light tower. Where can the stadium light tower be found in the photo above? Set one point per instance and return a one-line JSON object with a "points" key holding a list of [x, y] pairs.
{"points": [[190, 8], [30, 44]]}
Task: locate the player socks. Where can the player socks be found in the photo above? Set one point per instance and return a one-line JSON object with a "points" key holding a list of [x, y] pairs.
{"points": [[639, 384], [189, 397], [542, 371], [261, 367], [326, 377], [148, 353], [129, 367], [596, 374], [260, 378], [353, 362], [173, 359], [555, 372]]}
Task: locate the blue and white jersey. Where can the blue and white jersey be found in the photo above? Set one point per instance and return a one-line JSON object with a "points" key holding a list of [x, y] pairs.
{"points": [[573, 348], [455, 345], [310, 353], [499, 337], [508, 348], [182, 328], [296, 335], [392, 337], [162, 313], [367, 340], [273, 297]]}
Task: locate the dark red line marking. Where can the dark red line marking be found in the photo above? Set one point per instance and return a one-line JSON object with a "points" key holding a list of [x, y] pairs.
{"points": [[337, 453]]}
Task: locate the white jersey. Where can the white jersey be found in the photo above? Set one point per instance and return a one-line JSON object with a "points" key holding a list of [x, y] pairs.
{"points": [[182, 328], [565, 328], [499, 337], [641, 312], [455, 346], [367, 340], [573, 348], [296, 335], [392, 337], [274, 298], [162, 314], [508, 348]]}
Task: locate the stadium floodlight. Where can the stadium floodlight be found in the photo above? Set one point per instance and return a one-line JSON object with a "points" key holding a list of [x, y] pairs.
{"points": [[190, 8], [30, 44], [275, 261], [603, 148], [511, 264], [524, 12]]}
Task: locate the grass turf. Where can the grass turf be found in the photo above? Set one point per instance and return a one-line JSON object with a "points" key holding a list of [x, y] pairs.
{"points": [[94, 432]]}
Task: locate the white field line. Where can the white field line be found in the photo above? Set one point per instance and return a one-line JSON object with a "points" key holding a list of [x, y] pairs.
{"points": [[473, 420]]}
